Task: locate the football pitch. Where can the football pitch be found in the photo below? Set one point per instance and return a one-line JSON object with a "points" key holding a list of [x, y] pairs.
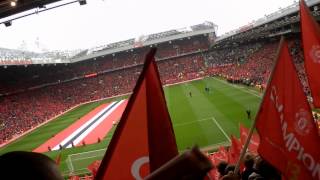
{"points": [[202, 118]]}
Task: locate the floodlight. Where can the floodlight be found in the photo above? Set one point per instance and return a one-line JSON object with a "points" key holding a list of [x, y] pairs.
{"points": [[13, 3], [82, 2], [8, 23]]}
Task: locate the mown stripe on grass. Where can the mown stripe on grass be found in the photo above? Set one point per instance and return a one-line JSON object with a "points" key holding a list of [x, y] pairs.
{"points": [[240, 88]]}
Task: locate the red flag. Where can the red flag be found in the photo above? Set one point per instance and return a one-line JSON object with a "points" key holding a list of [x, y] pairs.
{"points": [[86, 177], [222, 154], [311, 48], [215, 159], [58, 159], [254, 141], [93, 167], [74, 178], [288, 135], [144, 139], [235, 150]]}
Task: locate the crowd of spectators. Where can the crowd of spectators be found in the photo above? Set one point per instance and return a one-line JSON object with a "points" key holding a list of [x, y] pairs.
{"points": [[254, 168], [297, 54], [181, 69], [18, 78], [182, 47], [251, 64], [230, 55], [22, 111], [64, 86]]}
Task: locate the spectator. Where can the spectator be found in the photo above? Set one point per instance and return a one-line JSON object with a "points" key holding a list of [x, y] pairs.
{"points": [[221, 167], [248, 164], [19, 165], [264, 170]]}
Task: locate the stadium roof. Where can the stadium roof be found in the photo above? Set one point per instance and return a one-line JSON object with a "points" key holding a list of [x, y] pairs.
{"points": [[205, 28], [6, 9], [282, 12]]}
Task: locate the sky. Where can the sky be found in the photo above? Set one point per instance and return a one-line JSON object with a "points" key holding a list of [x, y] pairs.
{"points": [[106, 21]]}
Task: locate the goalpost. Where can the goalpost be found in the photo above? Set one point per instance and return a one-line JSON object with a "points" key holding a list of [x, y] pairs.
{"points": [[78, 163]]}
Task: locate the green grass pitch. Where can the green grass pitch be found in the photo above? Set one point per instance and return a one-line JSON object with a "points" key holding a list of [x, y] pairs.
{"points": [[206, 119]]}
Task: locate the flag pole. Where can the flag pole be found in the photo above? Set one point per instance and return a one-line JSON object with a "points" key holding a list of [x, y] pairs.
{"points": [[245, 147]]}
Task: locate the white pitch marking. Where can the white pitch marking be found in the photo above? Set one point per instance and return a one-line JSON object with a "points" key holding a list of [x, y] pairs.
{"points": [[224, 133]]}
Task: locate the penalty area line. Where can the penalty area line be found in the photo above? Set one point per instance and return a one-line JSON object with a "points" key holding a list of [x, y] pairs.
{"points": [[218, 125]]}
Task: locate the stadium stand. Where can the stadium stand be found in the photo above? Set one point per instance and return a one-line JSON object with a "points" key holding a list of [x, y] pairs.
{"points": [[22, 78], [73, 83], [34, 94], [251, 64]]}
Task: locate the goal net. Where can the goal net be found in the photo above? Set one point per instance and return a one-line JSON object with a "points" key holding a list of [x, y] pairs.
{"points": [[78, 163]]}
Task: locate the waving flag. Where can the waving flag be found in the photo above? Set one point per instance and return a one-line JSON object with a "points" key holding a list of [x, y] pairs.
{"points": [[311, 48], [288, 135], [254, 141], [144, 139], [234, 151]]}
